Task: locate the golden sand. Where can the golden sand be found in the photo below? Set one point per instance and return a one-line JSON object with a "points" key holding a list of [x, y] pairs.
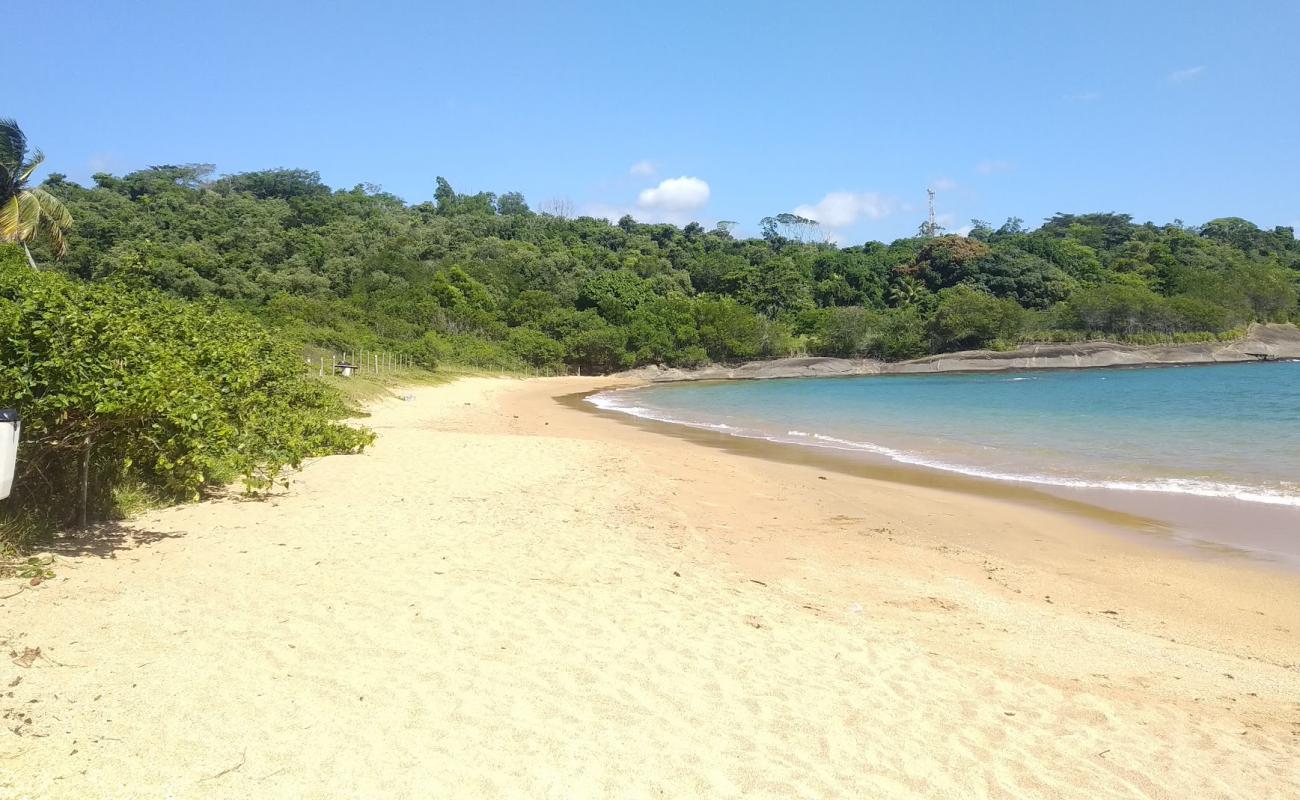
{"points": [[511, 597]]}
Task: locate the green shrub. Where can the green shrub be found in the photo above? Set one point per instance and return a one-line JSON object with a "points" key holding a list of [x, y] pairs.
{"points": [[847, 331], [969, 318], [900, 335], [536, 348], [152, 390], [467, 350], [728, 330]]}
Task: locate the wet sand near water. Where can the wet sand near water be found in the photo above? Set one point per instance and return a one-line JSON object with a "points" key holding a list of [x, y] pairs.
{"points": [[1212, 527]]}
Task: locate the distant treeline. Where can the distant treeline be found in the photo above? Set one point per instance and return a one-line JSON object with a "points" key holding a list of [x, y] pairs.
{"points": [[482, 279]]}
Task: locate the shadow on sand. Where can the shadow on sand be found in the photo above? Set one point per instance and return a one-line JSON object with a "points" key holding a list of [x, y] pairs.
{"points": [[105, 540]]}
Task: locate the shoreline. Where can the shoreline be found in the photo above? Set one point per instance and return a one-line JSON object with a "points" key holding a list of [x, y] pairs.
{"points": [[865, 465], [1195, 524], [510, 596]]}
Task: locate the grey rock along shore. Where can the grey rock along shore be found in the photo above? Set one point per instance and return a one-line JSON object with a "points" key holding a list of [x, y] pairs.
{"points": [[1261, 343]]}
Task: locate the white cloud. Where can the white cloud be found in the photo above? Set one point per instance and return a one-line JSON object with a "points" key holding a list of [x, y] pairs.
{"points": [[674, 200], [1184, 75], [990, 166], [643, 168], [944, 185], [842, 209], [675, 196]]}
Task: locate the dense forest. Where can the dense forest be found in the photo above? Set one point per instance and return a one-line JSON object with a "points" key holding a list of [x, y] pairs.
{"points": [[483, 279], [152, 326]]}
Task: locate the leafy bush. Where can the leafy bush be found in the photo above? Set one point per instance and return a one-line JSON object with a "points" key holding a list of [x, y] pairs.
{"points": [[468, 351], [1115, 308], [848, 331], [728, 330], [151, 389], [900, 335], [536, 348], [969, 318]]}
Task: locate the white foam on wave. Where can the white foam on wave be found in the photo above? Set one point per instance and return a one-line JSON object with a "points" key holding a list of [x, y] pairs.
{"points": [[1250, 494], [1188, 486], [608, 402]]}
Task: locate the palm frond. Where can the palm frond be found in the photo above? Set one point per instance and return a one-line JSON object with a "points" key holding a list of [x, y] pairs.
{"points": [[56, 220], [54, 232], [20, 217], [53, 207], [13, 146], [9, 212], [27, 169], [29, 216]]}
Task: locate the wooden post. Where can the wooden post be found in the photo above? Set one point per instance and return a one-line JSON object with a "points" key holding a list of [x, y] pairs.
{"points": [[85, 483]]}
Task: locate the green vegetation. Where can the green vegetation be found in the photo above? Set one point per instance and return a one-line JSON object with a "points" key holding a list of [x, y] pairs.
{"points": [[482, 280], [147, 393], [171, 320]]}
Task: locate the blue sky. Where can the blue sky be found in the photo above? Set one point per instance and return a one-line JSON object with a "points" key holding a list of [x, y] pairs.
{"points": [[678, 111]]}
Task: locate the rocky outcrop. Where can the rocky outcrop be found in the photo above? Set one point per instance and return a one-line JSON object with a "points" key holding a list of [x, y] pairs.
{"points": [[1261, 343]]}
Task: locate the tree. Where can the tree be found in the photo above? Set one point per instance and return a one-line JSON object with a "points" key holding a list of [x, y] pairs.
{"points": [[1029, 280], [444, 195], [1012, 226], [789, 227], [512, 204], [847, 331], [968, 317], [558, 207], [981, 230], [906, 291], [945, 260], [774, 287], [27, 212], [282, 183], [727, 329]]}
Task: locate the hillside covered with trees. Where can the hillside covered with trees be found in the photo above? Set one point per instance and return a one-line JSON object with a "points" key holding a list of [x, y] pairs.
{"points": [[483, 279]]}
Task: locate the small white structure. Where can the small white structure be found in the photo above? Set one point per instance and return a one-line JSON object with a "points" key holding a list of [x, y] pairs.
{"points": [[10, 430], [345, 369]]}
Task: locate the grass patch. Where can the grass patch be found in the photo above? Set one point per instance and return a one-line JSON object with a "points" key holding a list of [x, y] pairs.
{"points": [[367, 387], [21, 532]]}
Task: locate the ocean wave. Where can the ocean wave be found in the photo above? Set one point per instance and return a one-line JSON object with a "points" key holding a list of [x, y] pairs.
{"points": [[609, 403], [1185, 486], [1189, 486]]}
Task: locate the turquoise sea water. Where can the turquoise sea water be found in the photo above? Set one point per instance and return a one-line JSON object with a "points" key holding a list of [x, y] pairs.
{"points": [[1228, 431]]}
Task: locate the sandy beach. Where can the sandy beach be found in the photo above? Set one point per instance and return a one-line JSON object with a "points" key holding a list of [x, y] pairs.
{"points": [[511, 597]]}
